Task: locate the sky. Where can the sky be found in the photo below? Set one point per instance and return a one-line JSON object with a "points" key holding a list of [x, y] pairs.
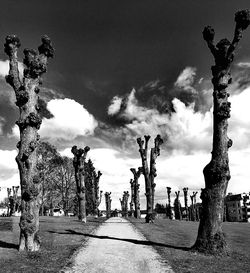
{"points": [[123, 69]]}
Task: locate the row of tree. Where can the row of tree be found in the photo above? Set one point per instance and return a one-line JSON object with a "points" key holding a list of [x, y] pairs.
{"points": [[210, 237]]}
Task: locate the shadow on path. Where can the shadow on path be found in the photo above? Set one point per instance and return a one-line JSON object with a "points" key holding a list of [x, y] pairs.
{"points": [[134, 241], [8, 245]]}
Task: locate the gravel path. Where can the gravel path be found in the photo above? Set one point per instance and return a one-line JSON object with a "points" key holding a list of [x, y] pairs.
{"points": [[114, 248]]}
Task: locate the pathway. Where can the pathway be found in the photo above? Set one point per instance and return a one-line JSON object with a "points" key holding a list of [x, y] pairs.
{"points": [[115, 248]]}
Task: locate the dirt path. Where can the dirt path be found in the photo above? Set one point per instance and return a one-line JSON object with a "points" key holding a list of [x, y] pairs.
{"points": [[116, 247]]}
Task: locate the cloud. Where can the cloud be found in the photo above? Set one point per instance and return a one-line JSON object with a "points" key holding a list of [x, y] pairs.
{"points": [[186, 79], [70, 119], [243, 64], [4, 68], [185, 129], [9, 175], [115, 106]]}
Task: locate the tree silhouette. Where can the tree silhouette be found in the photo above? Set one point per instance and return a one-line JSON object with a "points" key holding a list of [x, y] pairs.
{"points": [[29, 122], [210, 237]]}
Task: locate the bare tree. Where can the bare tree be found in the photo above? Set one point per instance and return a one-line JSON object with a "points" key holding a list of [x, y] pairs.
{"points": [[26, 91], [210, 237], [149, 173], [185, 191], [168, 206], [136, 191], [193, 213], [108, 204], [177, 206], [79, 165], [97, 192]]}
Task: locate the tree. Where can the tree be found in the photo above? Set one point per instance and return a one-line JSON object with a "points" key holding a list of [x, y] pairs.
{"points": [[136, 191], [124, 203], [210, 237], [108, 204], [177, 207], [79, 165], [26, 91], [160, 208], [93, 196], [149, 174], [185, 191], [193, 211], [47, 162], [168, 206], [98, 193], [64, 184]]}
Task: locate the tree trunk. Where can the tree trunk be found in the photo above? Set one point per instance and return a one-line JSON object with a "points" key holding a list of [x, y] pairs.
{"points": [[210, 237], [108, 204], [29, 122], [149, 175], [79, 162], [185, 191], [136, 191]]}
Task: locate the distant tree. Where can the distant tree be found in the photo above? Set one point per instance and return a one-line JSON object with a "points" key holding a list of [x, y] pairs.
{"points": [[108, 201], [185, 191], [149, 173], [193, 212], [48, 159], [26, 91], [160, 208], [124, 203], [93, 195], [177, 207], [64, 184], [210, 237], [135, 188], [79, 165], [168, 206]]}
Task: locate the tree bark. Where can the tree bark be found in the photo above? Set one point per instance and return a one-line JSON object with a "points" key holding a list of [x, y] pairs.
{"points": [[210, 237], [29, 122], [136, 191], [185, 191], [149, 174], [78, 163], [108, 204], [177, 207], [97, 194]]}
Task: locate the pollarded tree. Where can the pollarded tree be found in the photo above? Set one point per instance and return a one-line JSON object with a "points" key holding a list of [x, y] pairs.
{"points": [[177, 206], [97, 192], [193, 213], [79, 165], [149, 173], [210, 237], [136, 191], [108, 204], [29, 122], [185, 191], [168, 206]]}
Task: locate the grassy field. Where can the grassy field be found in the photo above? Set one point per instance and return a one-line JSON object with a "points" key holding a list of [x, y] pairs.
{"points": [[172, 239], [59, 241]]}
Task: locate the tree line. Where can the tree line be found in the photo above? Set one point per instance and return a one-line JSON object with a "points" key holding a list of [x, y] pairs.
{"points": [[210, 237]]}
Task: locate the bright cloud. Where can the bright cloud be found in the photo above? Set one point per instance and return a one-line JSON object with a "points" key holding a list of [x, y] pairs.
{"points": [[243, 64], [186, 79], [4, 68], [70, 119], [9, 172], [115, 106]]}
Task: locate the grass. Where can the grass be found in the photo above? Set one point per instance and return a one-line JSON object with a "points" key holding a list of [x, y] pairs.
{"points": [[58, 244], [172, 240]]}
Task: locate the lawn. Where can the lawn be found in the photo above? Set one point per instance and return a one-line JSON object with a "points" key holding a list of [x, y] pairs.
{"points": [[58, 244], [172, 240]]}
